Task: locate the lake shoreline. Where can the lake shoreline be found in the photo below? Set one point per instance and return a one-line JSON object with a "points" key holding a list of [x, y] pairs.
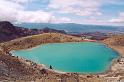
{"points": [[12, 46], [107, 70]]}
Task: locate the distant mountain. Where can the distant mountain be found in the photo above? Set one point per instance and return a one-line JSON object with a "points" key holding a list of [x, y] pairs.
{"points": [[8, 31], [75, 28]]}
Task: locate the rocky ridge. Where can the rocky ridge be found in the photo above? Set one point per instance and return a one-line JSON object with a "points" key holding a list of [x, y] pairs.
{"points": [[9, 32]]}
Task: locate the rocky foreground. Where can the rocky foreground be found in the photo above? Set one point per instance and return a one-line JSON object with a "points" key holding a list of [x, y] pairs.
{"points": [[21, 70]]}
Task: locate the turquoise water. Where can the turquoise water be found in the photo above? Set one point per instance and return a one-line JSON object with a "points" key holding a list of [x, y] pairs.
{"points": [[83, 57]]}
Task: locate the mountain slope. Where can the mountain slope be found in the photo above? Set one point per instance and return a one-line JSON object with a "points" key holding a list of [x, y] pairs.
{"points": [[117, 40], [9, 32], [35, 40], [116, 43]]}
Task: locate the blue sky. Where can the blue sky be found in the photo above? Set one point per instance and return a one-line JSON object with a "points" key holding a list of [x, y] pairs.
{"points": [[107, 12]]}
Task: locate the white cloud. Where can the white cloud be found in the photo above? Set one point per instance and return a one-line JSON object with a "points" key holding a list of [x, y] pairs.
{"points": [[19, 1], [115, 2], [119, 19], [78, 7], [9, 4], [33, 17], [9, 12], [15, 12], [60, 19]]}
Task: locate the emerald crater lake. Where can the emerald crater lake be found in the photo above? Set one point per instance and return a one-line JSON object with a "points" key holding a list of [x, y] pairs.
{"points": [[82, 57]]}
